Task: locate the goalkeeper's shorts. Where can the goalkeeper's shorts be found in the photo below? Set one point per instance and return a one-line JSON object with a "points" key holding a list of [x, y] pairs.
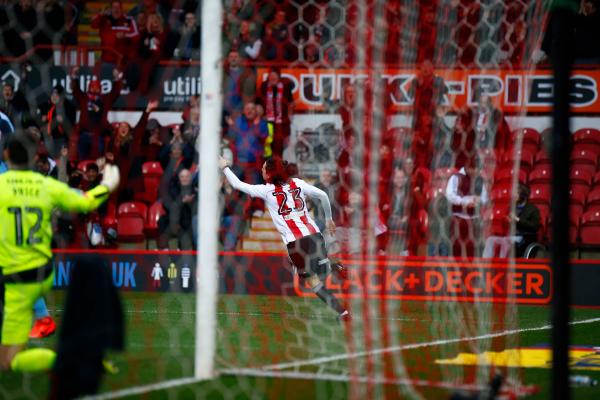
{"points": [[18, 292], [309, 256]]}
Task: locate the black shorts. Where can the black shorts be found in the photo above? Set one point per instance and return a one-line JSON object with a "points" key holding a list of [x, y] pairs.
{"points": [[309, 256]]}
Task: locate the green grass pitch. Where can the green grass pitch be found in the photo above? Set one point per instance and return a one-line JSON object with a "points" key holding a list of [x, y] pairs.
{"points": [[301, 336]]}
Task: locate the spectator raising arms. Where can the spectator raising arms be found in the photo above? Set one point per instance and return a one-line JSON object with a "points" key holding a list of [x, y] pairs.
{"points": [[93, 107], [124, 150]]}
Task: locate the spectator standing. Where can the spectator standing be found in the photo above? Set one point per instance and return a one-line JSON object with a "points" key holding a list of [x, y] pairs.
{"points": [[247, 136], [118, 33], [180, 205], [13, 103], [239, 85], [466, 194], [188, 39], [58, 114], [125, 151], [276, 96], [153, 47], [93, 108]]}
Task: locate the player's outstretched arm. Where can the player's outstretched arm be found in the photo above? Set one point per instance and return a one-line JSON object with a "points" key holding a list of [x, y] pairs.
{"points": [[236, 183], [69, 199]]}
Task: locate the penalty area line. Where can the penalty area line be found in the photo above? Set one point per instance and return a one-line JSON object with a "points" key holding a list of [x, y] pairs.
{"points": [[410, 346]]}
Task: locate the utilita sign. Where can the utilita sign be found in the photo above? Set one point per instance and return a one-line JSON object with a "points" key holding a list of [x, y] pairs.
{"points": [[513, 91]]}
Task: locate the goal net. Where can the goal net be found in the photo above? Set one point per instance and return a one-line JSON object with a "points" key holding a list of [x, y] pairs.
{"points": [[422, 121]]}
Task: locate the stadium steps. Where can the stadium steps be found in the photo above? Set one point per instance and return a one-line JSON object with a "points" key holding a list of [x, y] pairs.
{"points": [[262, 236], [85, 33]]}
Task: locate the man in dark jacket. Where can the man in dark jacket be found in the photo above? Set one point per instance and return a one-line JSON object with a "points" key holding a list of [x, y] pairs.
{"points": [[527, 220]]}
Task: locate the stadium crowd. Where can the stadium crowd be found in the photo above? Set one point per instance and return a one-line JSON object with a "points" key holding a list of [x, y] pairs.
{"points": [[159, 163]]}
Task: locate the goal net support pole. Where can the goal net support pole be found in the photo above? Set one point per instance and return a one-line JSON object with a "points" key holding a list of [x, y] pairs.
{"points": [[208, 207]]}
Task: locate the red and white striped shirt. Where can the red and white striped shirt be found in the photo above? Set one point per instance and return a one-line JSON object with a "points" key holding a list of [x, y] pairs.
{"points": [[286, 204]]}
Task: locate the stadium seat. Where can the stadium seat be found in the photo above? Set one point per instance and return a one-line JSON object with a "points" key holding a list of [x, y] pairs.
{"points": [[109, 220], [574, 224], [590, 228], [540, 175], [505, 176], [596, 180], [155, 211], [583, 158], [540, 196], [577, 196], [131, 220], [499, 225], [542, 159], [82, 165], [587, 139], [531, 140], [593, 198], [524, 157], [152, 173], [501, 195], [581, 176]]}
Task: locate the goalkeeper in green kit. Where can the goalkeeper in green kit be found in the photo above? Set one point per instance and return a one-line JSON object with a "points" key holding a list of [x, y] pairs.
{"points": [[27, 200]]}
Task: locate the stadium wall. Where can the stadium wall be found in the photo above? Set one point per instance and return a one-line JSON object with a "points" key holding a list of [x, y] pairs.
{"points": [[413, 278]]}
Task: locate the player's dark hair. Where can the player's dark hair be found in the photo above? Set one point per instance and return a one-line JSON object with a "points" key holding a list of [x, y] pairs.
{"points": [[277, 170], [20, 150]]}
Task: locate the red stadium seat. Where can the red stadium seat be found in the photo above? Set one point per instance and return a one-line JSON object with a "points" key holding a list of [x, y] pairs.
{"points": [[542, 159], [131, 220], [590, 227], [505, 176], [82, 165], [155, 211], [502, 195], [593, 198], [152, 173], [499, 225], [596, 180], [574, 224], [577, 196], [588, 139], [540, 196], [581, 176], [531, 140], [110, 218], [583, 158], [524, 157], [540, 175]]}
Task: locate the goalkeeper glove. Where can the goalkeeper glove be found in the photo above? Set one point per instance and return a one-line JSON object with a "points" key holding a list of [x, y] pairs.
{"points": [[110, 177]]}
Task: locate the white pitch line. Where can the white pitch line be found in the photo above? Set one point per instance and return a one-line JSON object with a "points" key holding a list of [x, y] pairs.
{"points": [[269, 370], [143, 389], [320, 360]]}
